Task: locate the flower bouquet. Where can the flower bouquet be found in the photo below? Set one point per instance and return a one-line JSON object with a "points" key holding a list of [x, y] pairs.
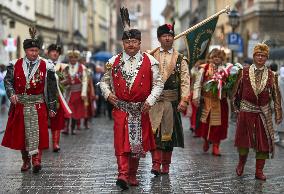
{"points": [[223, 80]]}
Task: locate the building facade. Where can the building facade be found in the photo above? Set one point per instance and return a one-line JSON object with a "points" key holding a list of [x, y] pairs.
{"points": [[261, 20], [15, 18]]}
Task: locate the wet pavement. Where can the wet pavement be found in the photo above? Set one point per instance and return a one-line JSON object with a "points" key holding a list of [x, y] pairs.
{"points": [[86, 164]]}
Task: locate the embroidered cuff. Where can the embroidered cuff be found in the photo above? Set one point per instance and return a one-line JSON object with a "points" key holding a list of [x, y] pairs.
{"points": [[151, 100]]}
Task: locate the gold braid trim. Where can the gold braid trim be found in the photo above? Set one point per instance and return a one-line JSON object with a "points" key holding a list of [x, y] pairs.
{"points": [[262, 83]]}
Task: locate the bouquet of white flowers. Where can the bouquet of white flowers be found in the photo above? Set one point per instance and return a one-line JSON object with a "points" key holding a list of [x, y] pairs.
{"points": [[224, 79]]}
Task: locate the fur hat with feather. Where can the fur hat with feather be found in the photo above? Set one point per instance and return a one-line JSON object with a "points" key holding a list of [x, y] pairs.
{"points": [[33, 41], [128, 32]]}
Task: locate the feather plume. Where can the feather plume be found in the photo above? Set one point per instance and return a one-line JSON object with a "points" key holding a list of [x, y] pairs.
{"points": [[125, 18], [32, 31], [267, 42]]}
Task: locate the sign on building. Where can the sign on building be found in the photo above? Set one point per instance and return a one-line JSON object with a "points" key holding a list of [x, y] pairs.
{"points": [[234, 41], [10, 44]]}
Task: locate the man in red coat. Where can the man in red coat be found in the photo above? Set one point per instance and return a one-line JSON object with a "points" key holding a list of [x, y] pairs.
{"points": [[256, 87], [57, 123], [26, 81], [76, 93], [132, 83]]}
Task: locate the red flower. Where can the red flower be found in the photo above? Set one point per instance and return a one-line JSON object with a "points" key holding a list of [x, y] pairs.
{"points": [[170, 27]]}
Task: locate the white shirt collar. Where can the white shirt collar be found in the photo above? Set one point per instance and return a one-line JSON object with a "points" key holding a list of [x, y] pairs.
{"points": [[126, 57], [169, 51], [33, 62], [255, 68], [53, 62]]}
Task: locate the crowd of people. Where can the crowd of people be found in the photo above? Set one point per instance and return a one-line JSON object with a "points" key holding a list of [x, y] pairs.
{"points": [[146, 93]]}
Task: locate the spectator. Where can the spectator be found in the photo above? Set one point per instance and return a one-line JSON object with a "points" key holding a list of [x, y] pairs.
{"points": [[97, 75]]}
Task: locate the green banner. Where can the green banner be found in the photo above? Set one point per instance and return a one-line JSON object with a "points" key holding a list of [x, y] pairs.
{"points": [[198, 41]]}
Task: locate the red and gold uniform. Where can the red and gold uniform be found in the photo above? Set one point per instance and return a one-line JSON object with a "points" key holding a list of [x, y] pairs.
{"points": [[256, 87]]}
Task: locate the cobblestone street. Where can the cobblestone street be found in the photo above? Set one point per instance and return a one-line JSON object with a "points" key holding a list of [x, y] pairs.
{"points": [[86, 164]]}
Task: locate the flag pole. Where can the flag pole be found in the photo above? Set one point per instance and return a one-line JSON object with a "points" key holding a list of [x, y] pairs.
{"points": [[226, 10]]}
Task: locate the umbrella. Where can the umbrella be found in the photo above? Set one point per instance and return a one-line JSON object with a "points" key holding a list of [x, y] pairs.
{"points": [[276, 53], [102, 56]]}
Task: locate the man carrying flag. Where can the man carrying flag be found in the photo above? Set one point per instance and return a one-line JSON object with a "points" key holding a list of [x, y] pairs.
{"points": [[214, 112], [165, 114]]}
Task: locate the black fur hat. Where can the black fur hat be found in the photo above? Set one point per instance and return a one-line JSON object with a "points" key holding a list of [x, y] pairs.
{"points": [[33, 41], [133, 33], [166, 29], [54, 47], [128, 33]]}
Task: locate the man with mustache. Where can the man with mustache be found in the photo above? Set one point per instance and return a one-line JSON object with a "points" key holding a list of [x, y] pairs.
{"points": [[132, 83], [25, 83], [165, 114]]}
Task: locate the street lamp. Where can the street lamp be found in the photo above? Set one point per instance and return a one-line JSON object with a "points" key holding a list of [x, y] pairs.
{"points": [[234, 20]]}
